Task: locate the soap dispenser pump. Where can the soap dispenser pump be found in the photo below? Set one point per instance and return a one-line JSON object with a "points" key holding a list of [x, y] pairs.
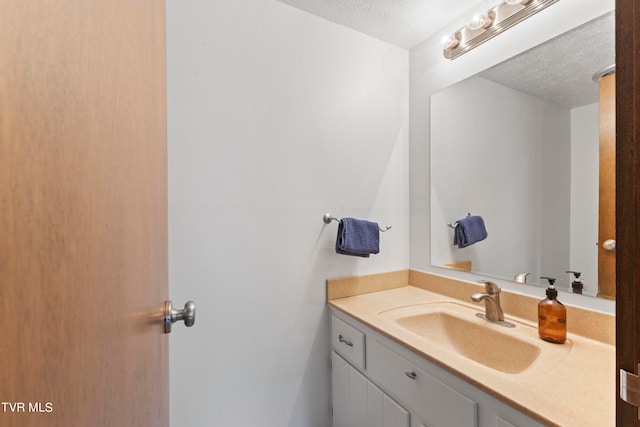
{"points": [[552, 316], [576, 285]]}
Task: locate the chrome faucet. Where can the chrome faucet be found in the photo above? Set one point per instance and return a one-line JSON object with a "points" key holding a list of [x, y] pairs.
{"points": [[491, 297], [521, 277]]}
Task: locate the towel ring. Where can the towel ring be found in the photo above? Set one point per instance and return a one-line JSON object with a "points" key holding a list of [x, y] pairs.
{"points": [[327, 218], [455, 224]]}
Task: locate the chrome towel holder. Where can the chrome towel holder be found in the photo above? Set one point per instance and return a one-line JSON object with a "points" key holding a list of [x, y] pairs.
{"points": [[327, 218], [455, 224]]}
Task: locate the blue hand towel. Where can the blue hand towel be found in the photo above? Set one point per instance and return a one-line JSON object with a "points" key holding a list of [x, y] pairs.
{"points": [[468, 231], [358, 237]]}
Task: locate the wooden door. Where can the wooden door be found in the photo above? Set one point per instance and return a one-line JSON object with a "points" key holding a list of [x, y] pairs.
{"points": [[627, 198], [607, 199], [83, 213]]}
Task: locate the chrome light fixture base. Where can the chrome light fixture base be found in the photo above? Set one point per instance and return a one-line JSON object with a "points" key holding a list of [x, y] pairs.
{"points": [[504, 16]]}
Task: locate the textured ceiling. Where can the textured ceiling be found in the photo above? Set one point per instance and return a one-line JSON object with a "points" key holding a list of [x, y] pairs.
{"points": [[561, 70], [404, 23]]}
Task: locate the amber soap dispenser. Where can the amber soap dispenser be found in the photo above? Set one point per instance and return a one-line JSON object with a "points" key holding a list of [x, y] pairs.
{"points": [[552, 316]]}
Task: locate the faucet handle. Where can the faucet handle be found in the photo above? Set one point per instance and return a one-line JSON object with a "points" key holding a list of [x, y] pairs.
{"points": [[490, 287]]}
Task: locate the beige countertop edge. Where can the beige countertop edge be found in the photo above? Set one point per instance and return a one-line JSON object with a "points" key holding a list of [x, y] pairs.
{"points": [[565, 396]]}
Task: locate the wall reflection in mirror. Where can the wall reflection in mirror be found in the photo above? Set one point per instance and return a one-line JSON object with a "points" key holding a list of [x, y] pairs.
{"points": [[518, 145]]}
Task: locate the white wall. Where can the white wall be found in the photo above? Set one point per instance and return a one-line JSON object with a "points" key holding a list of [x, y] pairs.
{"points": [[274, 118], [430, 72], [585, 162], [503, 155]]}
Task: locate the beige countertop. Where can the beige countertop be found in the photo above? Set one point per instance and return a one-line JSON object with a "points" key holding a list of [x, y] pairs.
{"points": [[578, 391]]}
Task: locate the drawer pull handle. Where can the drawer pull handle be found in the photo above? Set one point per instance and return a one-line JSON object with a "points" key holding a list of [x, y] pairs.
{"points": [[347, 342], [411, 375]]}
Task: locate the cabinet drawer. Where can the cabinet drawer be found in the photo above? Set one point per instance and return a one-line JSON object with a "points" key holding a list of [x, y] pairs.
{"points": [[348, 342], [436, 402]]}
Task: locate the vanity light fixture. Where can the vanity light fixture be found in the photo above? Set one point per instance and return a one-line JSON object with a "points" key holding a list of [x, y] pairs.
{"points": [[488, 25], [512, 2]]}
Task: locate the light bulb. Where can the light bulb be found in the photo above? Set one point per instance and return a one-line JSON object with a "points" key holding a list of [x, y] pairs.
{"points": [[480, 21], [449, 42]]}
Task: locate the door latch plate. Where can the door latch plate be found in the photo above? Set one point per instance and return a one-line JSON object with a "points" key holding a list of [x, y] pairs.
{"points": [[630, 388]]}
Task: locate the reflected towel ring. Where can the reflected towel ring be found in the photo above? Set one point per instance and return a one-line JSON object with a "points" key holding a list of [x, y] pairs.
{"points": [[327, 218]]}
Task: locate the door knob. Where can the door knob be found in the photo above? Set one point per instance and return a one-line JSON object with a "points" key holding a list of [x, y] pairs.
{"points": [[171, 315], [609, 245]]}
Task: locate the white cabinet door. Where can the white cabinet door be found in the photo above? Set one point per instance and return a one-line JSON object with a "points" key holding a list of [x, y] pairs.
{"points": [[357, 402], [393, 415], [344, 389]]}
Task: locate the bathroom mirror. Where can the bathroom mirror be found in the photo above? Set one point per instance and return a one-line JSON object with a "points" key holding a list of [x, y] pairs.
{"points": [[518, 145]]}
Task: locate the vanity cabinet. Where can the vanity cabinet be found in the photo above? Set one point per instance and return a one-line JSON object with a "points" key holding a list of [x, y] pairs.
{"points": [[376, 377]]}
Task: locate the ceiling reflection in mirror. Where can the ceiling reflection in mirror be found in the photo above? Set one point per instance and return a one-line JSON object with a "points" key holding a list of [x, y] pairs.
{"points": [[517, 144]]}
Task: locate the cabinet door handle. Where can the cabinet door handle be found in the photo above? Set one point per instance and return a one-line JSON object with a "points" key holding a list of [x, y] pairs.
{"points": [[411, 375], [347, 342]]}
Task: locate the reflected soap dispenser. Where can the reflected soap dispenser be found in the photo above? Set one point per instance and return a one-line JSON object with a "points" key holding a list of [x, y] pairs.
{"points": [[552, 316], [576, 285]]}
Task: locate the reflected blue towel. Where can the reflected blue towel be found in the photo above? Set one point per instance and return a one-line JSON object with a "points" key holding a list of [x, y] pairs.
{"points": [[358, 237], [468, 231]]}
